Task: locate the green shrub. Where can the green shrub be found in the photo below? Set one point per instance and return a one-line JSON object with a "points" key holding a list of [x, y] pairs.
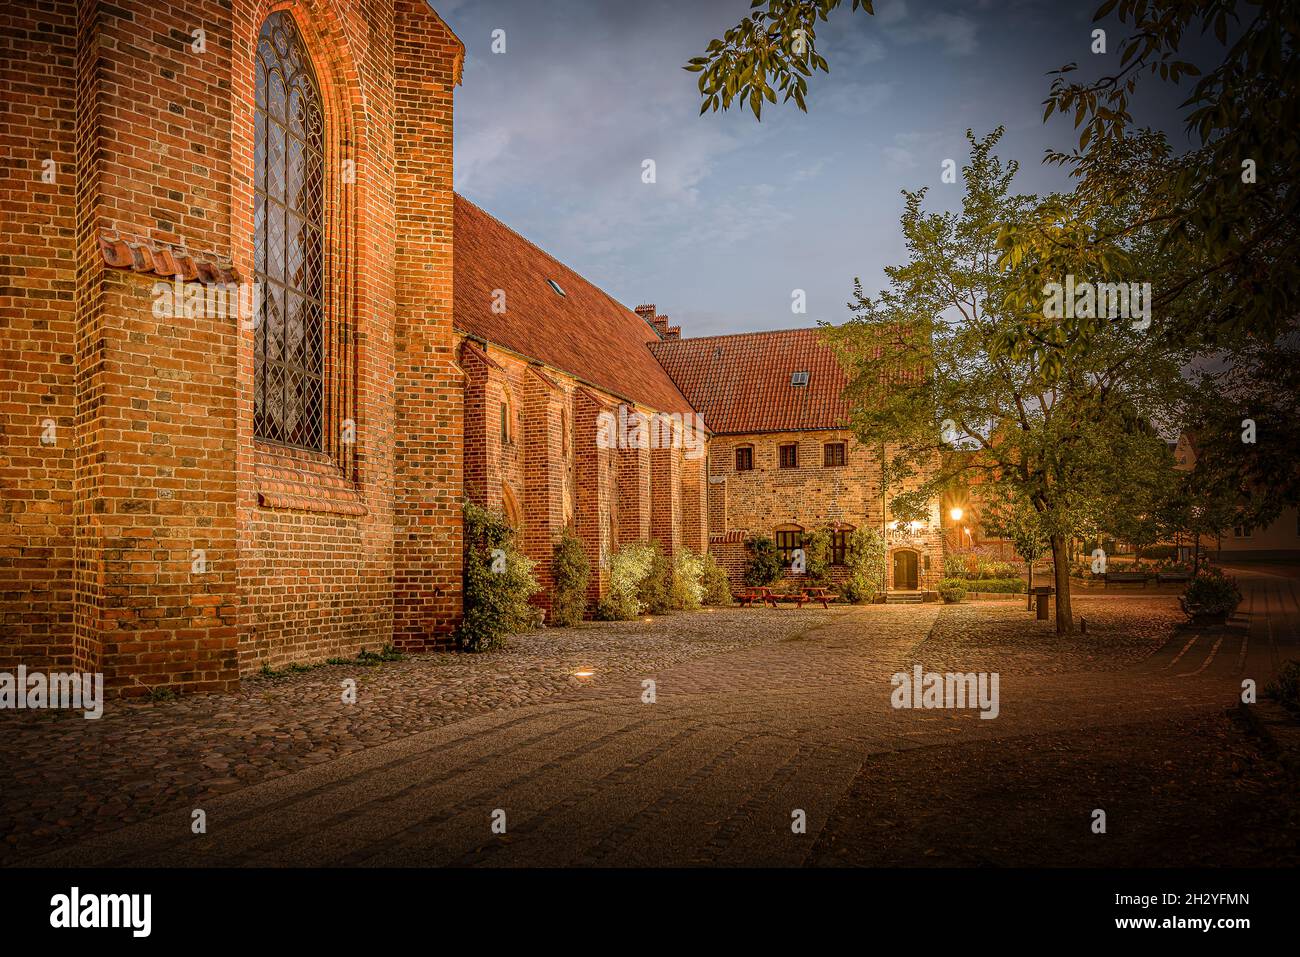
{"points": [[687, 592], [999, 586], [817, 556], [1158, 552], [498, 582], [1211, 593], [1285, 688], [628, 568], [570, 571], [998, 570], [717, 586], [952, 590], [1082, 569], [864, 556], [955, 564], [765, 565], [656, 592]]}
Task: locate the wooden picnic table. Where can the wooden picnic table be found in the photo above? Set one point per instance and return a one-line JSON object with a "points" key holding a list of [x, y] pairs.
{"points": [[768, 596], [750, 595], [823, 595]]}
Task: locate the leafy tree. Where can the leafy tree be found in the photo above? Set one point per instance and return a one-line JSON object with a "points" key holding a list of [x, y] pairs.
{"points": [[1224, 209], [769, 51], [1015, 519], [570, 571], [1243, 425], [926, 379]]}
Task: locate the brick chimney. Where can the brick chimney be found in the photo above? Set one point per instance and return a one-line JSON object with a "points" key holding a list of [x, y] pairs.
{"points": [[657, 322]]}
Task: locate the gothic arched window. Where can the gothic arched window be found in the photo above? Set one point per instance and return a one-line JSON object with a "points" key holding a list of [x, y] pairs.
{"points": [[289, 241]]}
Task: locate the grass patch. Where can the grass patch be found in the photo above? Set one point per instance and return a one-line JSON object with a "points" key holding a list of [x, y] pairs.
{"points": [[370, 658], [365, 658]]}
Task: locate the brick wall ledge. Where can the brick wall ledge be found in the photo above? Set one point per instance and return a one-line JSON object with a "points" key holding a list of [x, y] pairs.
{"points": [[304, 482]]}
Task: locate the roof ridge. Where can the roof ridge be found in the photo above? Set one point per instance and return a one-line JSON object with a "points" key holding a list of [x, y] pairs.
{"points": [[756, 332]]}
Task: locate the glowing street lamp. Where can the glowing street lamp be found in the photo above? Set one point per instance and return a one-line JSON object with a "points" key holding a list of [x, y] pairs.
{"points": [[956, 514]]}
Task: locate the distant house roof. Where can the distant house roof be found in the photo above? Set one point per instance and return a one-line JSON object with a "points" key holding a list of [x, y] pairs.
{"points": [[552, 314], [747, 382]]}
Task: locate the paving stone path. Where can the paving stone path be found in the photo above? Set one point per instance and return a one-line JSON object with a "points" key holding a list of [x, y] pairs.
{"points": [[737, 741]]}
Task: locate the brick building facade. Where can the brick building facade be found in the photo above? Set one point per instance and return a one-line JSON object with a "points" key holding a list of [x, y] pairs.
{"points": [[782, 461], [550, 361], [258, 353]]}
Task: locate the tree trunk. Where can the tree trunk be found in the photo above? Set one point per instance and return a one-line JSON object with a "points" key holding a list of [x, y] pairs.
{"points": [[1061, 563], [1029, 588]]}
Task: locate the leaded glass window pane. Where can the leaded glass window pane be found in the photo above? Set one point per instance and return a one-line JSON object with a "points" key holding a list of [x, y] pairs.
{"points": [[289, 230]]}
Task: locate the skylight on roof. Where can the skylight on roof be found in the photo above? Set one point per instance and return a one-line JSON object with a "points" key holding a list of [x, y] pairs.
{"points": [[798, 378], [556, 286]]}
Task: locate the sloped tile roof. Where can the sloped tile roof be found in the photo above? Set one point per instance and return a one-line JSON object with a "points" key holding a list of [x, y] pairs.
{"points": [[741, 383], [584, 332]]}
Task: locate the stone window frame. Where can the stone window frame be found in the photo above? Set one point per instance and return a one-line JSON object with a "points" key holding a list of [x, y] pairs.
{"points": [[794, 455], [749, 466]]}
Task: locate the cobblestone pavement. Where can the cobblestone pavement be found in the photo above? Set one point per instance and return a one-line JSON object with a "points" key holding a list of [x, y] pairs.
{"points": [[759, 716], [65, 776]]}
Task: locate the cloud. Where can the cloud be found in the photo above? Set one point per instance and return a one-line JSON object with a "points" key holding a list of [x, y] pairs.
{"points": [[919, 151], [954, 33]]}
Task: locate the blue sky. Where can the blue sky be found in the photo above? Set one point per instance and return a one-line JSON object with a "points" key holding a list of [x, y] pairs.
{"points": [[551, 136]]}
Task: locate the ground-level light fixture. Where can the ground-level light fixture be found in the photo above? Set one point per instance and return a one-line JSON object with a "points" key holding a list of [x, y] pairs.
{"points": [[584, 673]]}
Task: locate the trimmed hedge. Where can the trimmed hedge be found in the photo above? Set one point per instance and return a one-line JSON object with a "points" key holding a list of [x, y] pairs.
{"points": [[997, 586], [952, 590]]}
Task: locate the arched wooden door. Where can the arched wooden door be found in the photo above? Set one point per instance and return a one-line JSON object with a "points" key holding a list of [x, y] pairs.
{"points": [[905, 570]]}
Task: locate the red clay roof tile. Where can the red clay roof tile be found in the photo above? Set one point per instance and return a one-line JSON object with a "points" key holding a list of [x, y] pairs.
{"points": [[584, 332], [741, 383]]}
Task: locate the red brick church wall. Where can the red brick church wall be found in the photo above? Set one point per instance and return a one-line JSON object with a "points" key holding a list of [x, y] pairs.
{"points": [[38, 354], [154, 539]]}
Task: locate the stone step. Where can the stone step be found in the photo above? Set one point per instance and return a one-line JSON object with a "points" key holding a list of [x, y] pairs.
{"points": [[904, 598]]}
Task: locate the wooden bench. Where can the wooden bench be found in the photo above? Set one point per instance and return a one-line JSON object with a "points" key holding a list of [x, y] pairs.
{"points": [[1163, 577], [1128, 578]]}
